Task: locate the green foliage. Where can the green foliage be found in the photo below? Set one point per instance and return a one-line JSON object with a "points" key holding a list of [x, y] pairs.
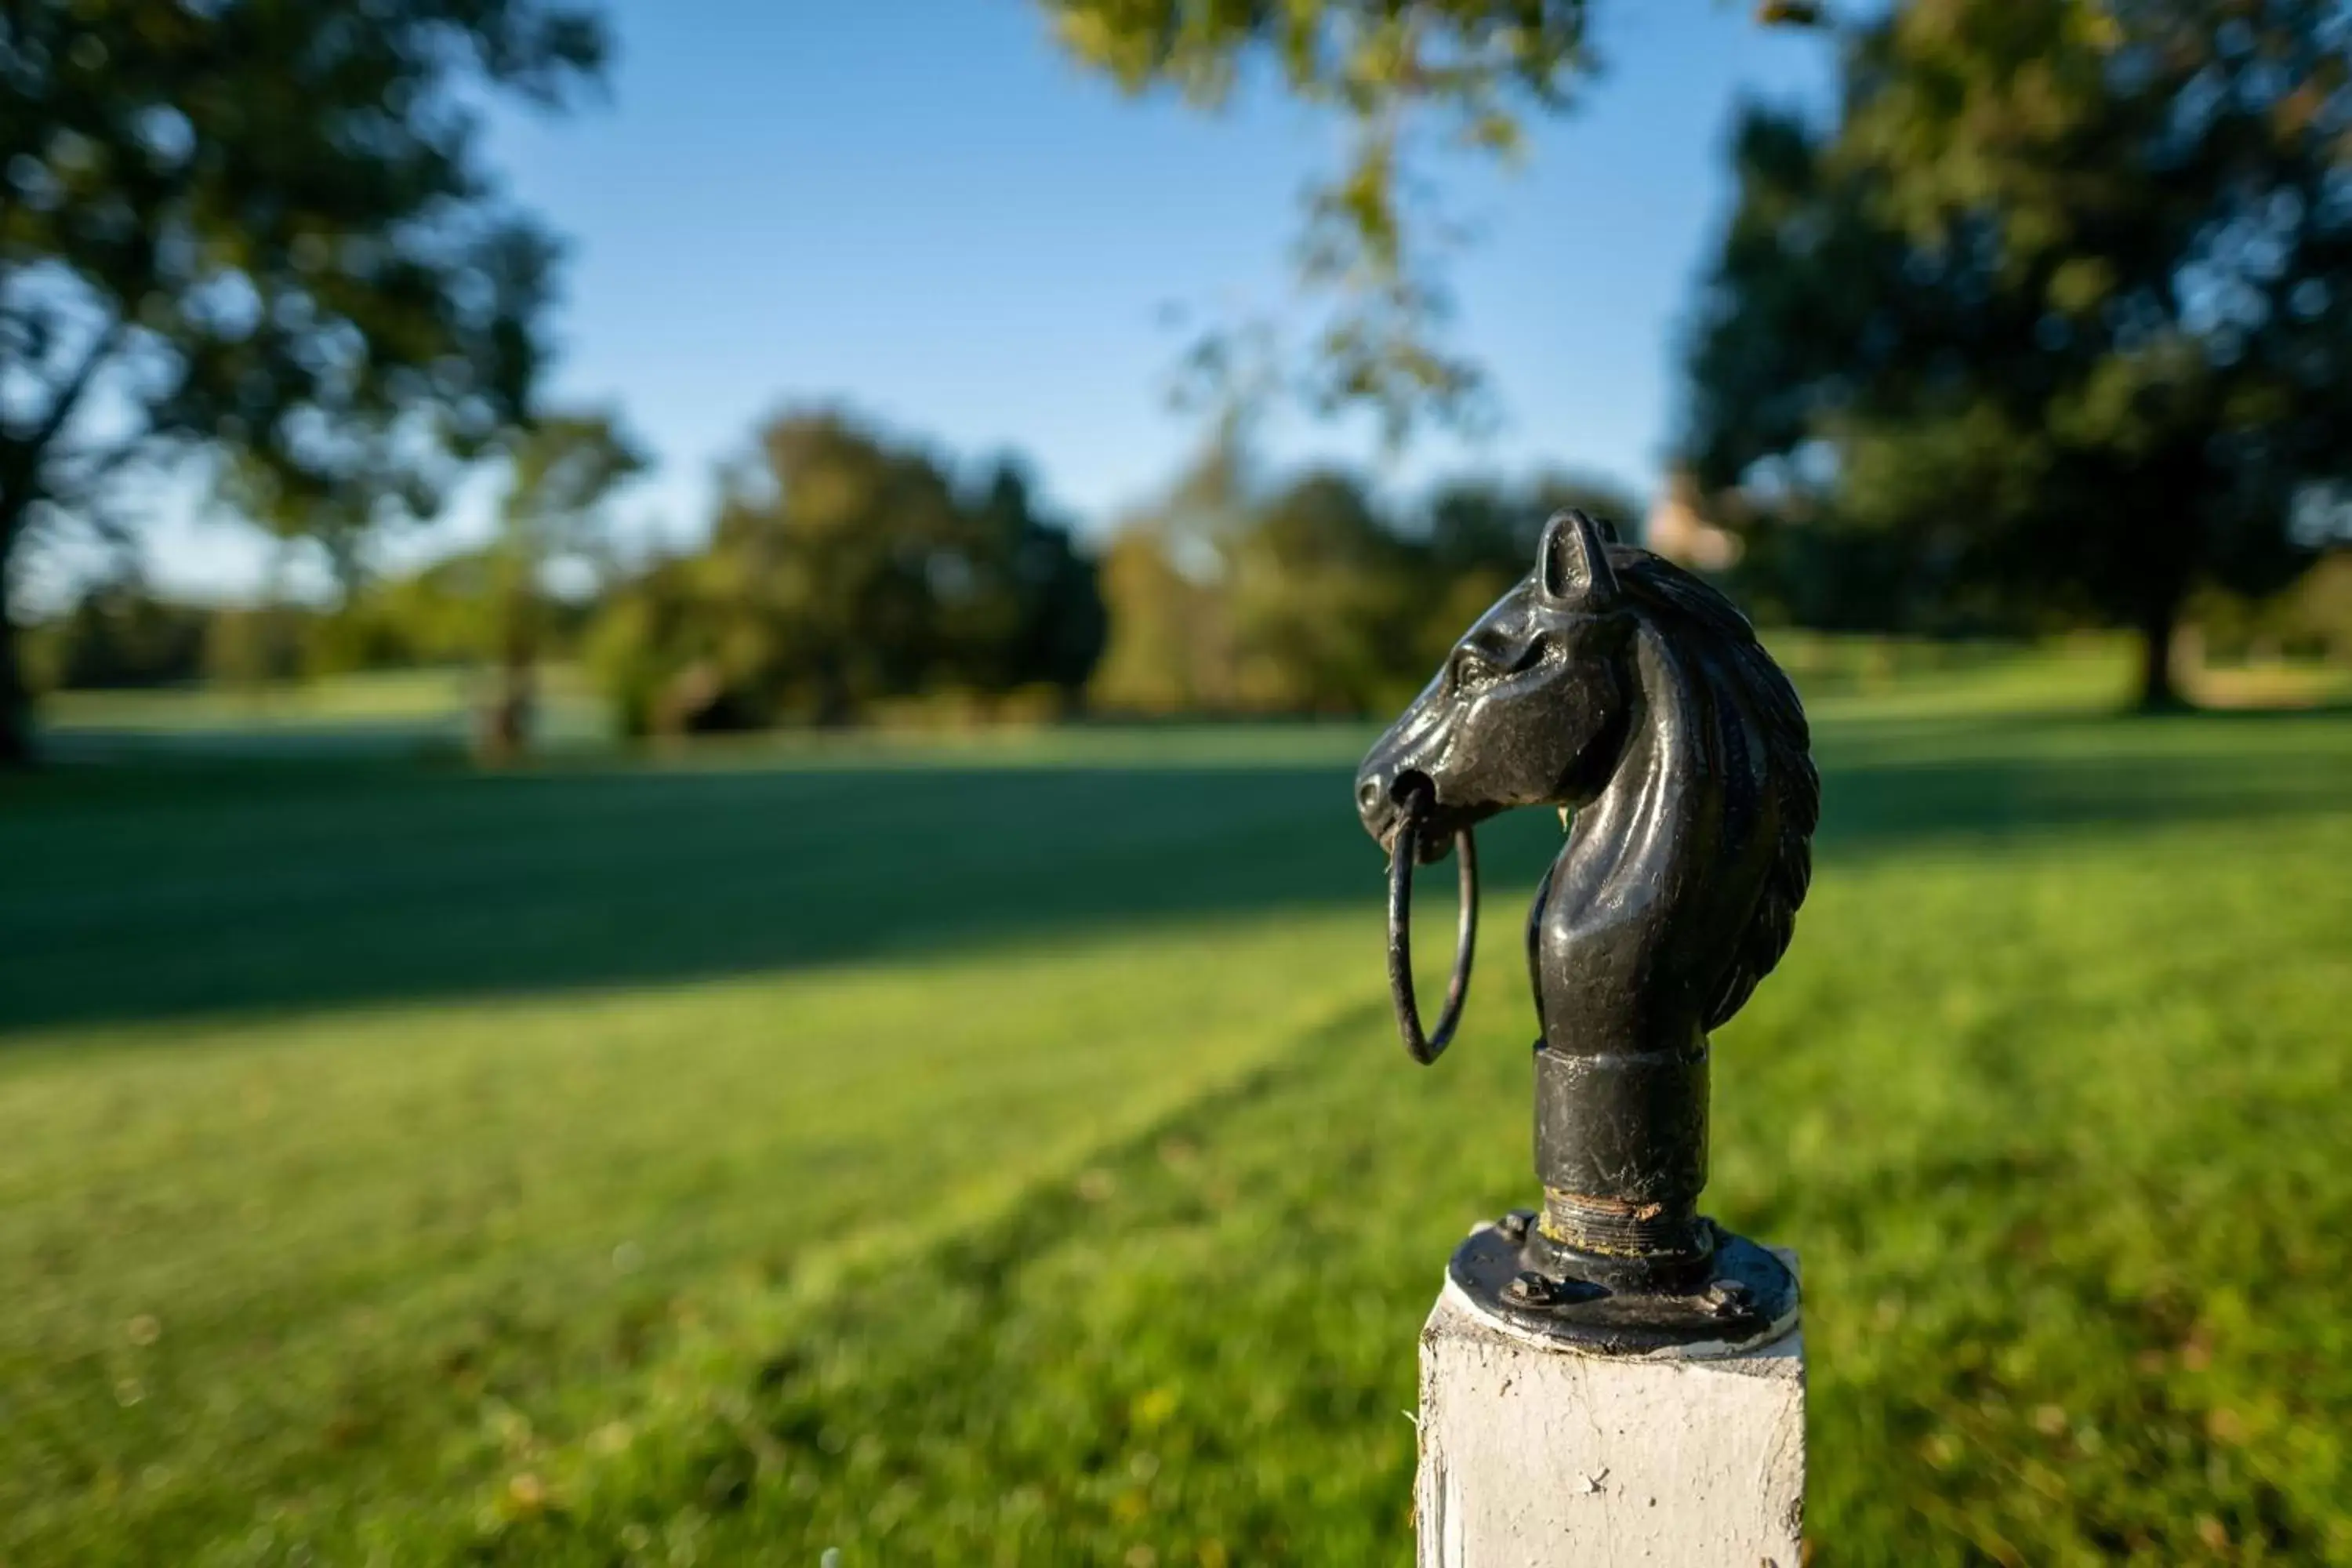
{"points": [[537, 1197], [1321, 600], [1480, 535], [2311, 620], [431, 616], [563, 469], [262, 645], [263, 230], [1407, 79], [1170, 648], [2054, 322], [1170, 644], [841, 571], [1310, 596], [117, 633]]}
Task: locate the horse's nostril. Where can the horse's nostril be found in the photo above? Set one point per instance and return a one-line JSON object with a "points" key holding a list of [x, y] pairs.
{"points": [[1368, 794]]}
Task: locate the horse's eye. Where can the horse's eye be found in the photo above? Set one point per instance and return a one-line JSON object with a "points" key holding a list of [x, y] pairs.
{"points": [[1473, 667]]}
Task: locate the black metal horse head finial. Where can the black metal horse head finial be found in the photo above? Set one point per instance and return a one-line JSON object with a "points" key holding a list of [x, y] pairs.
{"points": [[1616, 686]]}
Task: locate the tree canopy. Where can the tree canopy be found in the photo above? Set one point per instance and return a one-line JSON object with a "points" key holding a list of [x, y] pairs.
{"points": [[264, 231], [2054, 319], [844, 569], [1409, 82], [1408, 79], [1311, 594]]}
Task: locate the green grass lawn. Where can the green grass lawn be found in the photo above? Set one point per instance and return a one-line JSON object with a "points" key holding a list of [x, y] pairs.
{"points": [[998, 1150]]}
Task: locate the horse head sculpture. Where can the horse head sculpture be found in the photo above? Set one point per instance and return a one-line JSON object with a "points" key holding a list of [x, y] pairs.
{"points": [[1626, 691]]}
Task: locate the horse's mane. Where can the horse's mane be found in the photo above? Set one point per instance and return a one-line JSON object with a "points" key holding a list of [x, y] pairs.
{"points": [[1738, 671]]}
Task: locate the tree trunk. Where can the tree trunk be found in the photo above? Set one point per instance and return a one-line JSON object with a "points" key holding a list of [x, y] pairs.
{"points": [[508, 720], [16, 702], [2159, 691], [834, 707]]}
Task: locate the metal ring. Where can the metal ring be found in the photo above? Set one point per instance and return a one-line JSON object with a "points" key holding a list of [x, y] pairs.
{"points": [[1426, 1048]]}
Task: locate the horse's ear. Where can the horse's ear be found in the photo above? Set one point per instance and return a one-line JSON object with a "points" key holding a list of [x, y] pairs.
{"points": [[1572, 563]]}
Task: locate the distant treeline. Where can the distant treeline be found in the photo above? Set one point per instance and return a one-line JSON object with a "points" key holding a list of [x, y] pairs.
{"points": [[1309, 594], [845, 571]]}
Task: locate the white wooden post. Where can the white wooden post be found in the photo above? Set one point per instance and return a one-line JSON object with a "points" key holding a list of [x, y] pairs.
{"points": [[1537, 1456]]}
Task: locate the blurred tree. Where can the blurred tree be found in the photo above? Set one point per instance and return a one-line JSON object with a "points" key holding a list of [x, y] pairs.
{"points": [[1172, 638], [262, 225], [1170, 648], [1463, 74], [2315, 617], [118, 633], [1325, 599], [1228, 596], [432, 617], [262, 642], [835, 543], [635, 646], [843, 570], [1486, 525], [562, 468], [256, 645], [1031, 613], [2311, 620], [2059, 313], [1409, 79]]}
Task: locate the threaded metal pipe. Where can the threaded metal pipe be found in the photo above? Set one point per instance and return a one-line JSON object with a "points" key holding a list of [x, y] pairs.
{"points": [[1614, 1227]]}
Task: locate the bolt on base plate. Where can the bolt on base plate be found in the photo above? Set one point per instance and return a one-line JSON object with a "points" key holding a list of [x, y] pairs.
{"points": [[1746, 1297]]}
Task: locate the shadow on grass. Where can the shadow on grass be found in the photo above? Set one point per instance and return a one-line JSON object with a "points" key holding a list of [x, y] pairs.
{"points": [[167, 891]]}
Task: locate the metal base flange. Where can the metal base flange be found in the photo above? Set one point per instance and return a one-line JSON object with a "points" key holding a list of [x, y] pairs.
{"points": [[1741, 1297]]}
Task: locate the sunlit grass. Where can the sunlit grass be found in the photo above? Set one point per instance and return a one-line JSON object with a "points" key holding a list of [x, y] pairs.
{"points": [[1010, 1159], [320, 1254]]}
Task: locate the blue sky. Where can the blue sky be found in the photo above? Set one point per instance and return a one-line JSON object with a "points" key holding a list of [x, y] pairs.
{"points": [[921, 211]]}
